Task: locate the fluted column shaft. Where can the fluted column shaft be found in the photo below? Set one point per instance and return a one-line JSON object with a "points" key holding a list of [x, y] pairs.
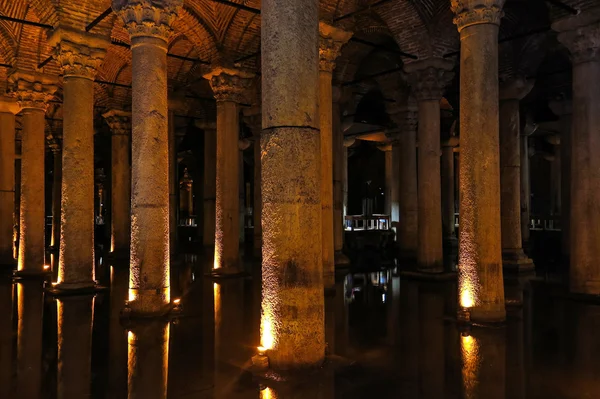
{"points": [[292, 322], [149, 283], [581, 35], [8, 109], [481, 290], [513, 257]]}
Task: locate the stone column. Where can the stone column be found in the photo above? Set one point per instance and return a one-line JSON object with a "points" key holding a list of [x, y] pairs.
{"points": [[448, 190], [389, 177], [428, 79], [581, 35], [120, 219], [79, 57], [407, 231], [481, 293], [148, 24], [209, 192], [340, 160], [186, 201], [513, 257], [525, 189], [228, 86], [564, 110], [253, 119], [331, 41], [292, 319], [55, 146], [8, 109], [555, 178], [348, 142], [243, 145], [33, 91], [176, 103]]}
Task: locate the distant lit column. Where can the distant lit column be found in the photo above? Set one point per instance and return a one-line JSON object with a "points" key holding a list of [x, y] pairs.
{"points": [[75, 319], [292, 319], [348, 142], [210, 181], [340, 161], [32, 91], [513, 257], [581, 35], [389, 176], [525, 188], [428, 79], [448, 190], [120, 204], [8, 109], [253, 118], [407, 230], [243, 145], [555, 174], [149, 27], [228, 87], [186, 201], [176, 104], [55, 146], [330, 44], [481, 291]]}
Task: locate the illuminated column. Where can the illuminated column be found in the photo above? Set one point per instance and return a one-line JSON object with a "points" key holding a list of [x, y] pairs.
{"points": [[564, 109], [243, 145], [481, 291], [8, 109], [253, 119], [148, 360], [340, 159], [292, 320], [331, 41], [448, 190], [513, 257], [33, 91], [55, 146], [228, 86], [389, 176], [79, 56], [581, 35], [148, 24], [75, 318], [555, 168], [428, 79], [348, 142], [120, 203], [30, 308], [209, 192], [407, 230]]}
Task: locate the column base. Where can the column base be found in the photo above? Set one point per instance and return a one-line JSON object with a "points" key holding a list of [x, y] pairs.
{"points": [[487, 316], [227, 273], [341, 260], [428, 276], [588, 290], [147, 303], [75, 288], [27, 274], [515, 261]]}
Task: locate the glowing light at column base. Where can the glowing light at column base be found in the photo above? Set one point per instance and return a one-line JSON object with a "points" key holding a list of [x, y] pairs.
{"points": [[467, 285]]}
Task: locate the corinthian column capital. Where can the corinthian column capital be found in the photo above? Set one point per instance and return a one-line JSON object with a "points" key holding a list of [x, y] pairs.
{"points": [[148, 18], [331, 40], [118, 121], [9, 105], [229, 84], [79, 54], [428, 78], [32, 90], [476, 12], [581, 35], [406, 118], [515, 88]]}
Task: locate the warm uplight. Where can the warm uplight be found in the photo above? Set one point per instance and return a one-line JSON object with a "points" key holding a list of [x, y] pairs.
{"points": [[466, 297], [468, 283], [267, 393], [176, 301], [46, 267], [267, 338], [132, 295]]}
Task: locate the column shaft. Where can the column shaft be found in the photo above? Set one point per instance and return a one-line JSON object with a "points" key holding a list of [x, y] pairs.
{"points": [[447, 172], [395, 182], [525, 189], [389, 176], [227, 212], [120, 195], [430, 255], [565, 181], [32, 223], [210, 178], [339, 152], [480, 258], [7, 187], [257, 207], [149, 264], [76, 256], [408, 195], [56, 197], [292, 322], [173, 185]]}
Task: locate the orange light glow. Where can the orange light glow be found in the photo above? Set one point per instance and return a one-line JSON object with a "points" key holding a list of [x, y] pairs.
{"points": [[267, 336], [176, 301], [46, 267], [466, 297], [132, 295], [267, 393], [470, 365], [468, 284]]}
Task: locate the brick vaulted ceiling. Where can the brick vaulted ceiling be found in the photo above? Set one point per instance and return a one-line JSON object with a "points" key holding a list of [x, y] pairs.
{"points": [[214, 32]]}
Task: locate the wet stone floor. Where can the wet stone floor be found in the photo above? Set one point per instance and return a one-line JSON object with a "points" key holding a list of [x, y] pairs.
{"points": [[387, 337]]}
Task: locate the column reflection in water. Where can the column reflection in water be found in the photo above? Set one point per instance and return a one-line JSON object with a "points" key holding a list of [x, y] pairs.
{"points": [[483, 352], [75, 318], [341, 316], [117, 334], [6, 336], [148, 360], [30, 304], [431, 335], [409, 339], [515, 356]]}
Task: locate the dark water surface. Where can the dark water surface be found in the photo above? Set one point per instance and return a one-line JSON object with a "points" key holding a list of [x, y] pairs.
{"points": [[388, 338]]}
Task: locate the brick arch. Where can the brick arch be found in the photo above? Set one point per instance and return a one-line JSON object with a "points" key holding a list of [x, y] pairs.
{"points": [[198, 32]]}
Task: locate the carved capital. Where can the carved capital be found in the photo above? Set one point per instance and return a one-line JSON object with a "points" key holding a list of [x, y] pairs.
{"points": [[32, 90], [349, 141], [581, 35], [210, 126], [515, 89], [331, 40], [428, 78], [253, 118], [229, 84], [118, 121], [406, 118], [186, 181], [79, 54], [148, 18], [476, 12], [8, 105]]}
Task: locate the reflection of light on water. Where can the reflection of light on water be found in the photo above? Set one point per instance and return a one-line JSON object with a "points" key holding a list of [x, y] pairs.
{"points": [[267, 393], [470, 365]]}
